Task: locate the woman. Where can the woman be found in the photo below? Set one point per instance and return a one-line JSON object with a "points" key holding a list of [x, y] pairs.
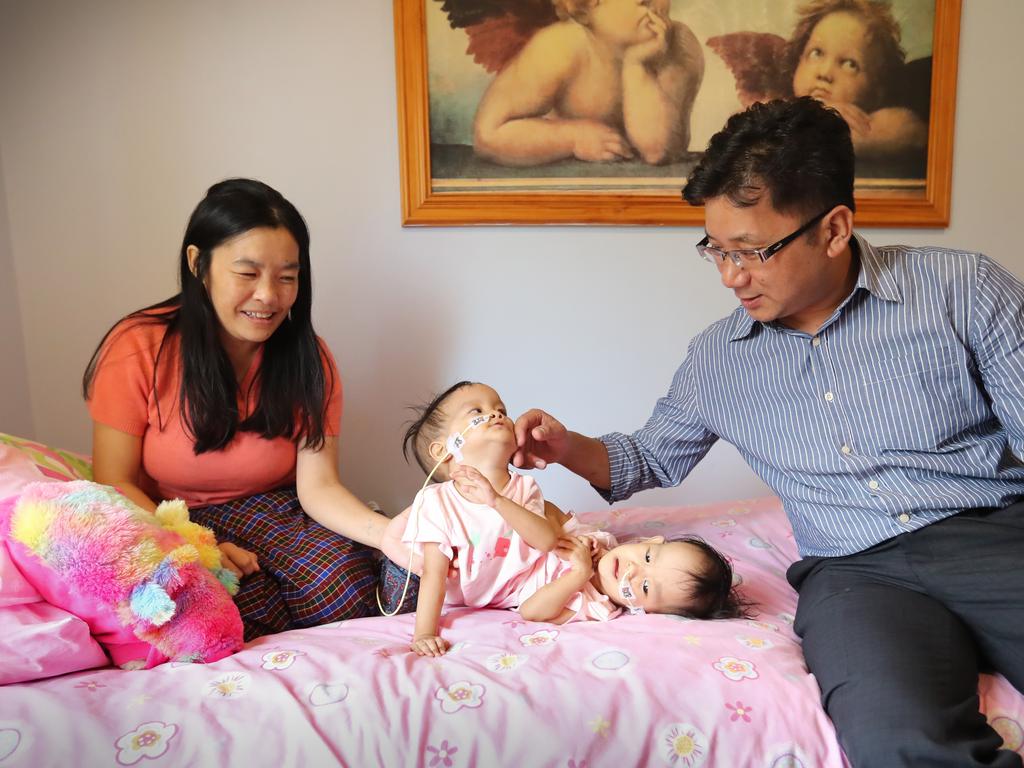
{"points": [[224, 396]]}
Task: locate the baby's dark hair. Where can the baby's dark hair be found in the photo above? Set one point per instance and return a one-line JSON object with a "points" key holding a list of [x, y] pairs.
{"points": [[712, 593], [426, 428]]}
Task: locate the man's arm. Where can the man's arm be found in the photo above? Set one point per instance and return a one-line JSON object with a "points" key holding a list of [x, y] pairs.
{"points": [[997, 342], [659, 455]]}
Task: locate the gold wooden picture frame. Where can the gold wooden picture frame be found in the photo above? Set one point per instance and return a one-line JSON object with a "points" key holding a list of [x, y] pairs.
{"points": [[445, 182]]}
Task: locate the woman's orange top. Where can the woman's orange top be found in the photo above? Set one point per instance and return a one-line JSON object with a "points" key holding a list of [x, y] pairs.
{"points": [[123, 398]]}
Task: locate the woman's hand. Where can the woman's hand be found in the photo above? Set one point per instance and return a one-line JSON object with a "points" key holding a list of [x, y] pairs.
{"points": [[473, 486], [240, 562], [429, 645]]}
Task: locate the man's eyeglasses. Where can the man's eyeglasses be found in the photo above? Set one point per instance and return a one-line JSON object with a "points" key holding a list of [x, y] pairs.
{"points": [[745, 257]]}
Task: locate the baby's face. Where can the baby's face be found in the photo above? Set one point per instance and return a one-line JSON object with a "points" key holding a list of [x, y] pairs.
{"points": [[493, 440], [834, 66], [625, 22], [658, 573]]}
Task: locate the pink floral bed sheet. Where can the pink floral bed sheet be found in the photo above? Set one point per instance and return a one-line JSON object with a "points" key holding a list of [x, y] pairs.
{"points": [[637, 691]]}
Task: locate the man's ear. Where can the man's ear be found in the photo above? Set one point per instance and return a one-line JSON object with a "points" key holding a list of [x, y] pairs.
{"points": [[192, 253], [839, 230]]}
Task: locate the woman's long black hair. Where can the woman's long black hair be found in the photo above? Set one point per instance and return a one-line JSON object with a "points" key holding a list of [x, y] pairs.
{"points": [[292, 381]]}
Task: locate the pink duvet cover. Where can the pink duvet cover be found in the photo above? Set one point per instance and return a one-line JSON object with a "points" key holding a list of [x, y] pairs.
{"points": [[637, 691]]}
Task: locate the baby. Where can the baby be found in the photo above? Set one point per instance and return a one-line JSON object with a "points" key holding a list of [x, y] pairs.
{"points": [[612, 79], [516, 550], [846, 53]]}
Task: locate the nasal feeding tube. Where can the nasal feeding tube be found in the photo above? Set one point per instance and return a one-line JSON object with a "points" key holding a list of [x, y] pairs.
{"points": [[626, 589], [453, 448]]}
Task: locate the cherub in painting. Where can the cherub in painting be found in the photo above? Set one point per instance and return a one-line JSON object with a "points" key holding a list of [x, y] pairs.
{"points": [[847, 54], [594, 80]]}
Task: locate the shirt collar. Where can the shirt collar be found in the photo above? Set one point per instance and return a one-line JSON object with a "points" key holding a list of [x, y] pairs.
{"points": [[875, 276], [876, 272]]}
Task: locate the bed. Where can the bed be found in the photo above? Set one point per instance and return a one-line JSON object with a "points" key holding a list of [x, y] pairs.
{"points": [[636, 691]]}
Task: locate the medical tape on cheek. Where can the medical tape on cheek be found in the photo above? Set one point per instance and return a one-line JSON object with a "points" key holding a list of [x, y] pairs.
{"points": [[626, 590], [454, 445], [458, 439]]}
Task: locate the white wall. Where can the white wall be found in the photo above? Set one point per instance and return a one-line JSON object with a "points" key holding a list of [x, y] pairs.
{"points": [[15, 408], [116, 116]]}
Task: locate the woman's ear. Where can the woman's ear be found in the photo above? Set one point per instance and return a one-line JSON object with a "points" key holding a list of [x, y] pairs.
{"points": [[839, 223], [192, 253]]}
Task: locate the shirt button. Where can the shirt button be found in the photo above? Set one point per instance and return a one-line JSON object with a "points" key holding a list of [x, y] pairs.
{"points": [[846, 449], [904, 518], [873, 485], [815, 342], [829, 397]]}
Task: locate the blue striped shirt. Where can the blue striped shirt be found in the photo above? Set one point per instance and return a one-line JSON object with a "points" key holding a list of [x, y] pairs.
{"points": [[906, 407]]}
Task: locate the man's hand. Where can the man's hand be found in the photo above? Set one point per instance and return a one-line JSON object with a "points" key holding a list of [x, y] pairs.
{"points": [[429, 645], [240, 562], [542, 440], [473, 486]]}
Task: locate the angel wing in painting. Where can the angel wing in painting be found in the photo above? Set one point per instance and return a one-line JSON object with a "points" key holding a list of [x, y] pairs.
{"points": [[596, 81], [847, 54]]}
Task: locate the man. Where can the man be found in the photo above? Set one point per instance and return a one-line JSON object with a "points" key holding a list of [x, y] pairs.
{"points": [[880, 393]]}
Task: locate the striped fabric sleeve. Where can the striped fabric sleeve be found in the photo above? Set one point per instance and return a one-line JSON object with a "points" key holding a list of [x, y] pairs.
{"points": [[997, 341], [666, 449]]}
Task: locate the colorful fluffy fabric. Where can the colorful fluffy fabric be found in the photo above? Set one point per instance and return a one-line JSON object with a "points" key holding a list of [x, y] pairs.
{"points": [[160, 574]]}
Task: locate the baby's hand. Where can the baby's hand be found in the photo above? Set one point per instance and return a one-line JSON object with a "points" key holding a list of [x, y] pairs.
{"points": [[472, 484], [576, 550], [593, 141], [429, 645]]}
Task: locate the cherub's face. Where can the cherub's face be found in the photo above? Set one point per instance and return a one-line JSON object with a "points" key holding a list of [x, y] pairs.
{"points": [[625, 22], [834, 66]]}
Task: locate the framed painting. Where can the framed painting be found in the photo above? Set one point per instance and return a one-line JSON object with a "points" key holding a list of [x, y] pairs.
{"points": [[594, 111]]}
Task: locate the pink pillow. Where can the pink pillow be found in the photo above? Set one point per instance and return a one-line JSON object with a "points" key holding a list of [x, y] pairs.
{"points": [[14, 588], [51, 463], [40, 640], [37, 639], [16, 471], [119, 641]]}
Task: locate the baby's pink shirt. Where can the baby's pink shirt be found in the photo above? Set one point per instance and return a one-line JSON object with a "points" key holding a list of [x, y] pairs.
{"points": [[497, 569]]}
